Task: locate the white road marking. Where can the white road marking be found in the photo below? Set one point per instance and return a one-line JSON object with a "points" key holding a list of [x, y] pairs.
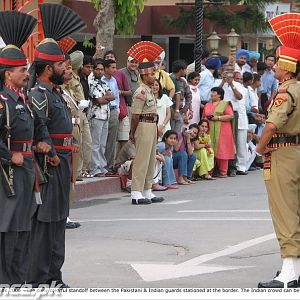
{"points": [[174, 202], [225, 211], [170, 219], [195, 266]]}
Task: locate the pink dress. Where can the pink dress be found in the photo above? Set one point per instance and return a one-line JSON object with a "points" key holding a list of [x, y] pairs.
{"points": [[226, 147]]}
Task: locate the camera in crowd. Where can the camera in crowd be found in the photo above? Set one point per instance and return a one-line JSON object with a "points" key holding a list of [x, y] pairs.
{"points": [[188, 131], [210, 117]]}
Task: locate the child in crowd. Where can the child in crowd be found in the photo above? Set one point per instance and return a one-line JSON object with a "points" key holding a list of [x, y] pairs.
{"points": [[183, 155], [165, 148], [193, 80], [204, 153]]}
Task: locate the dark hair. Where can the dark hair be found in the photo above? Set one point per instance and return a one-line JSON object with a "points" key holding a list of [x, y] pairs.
{"points": [[169, 133], [2, 77], [194, 125], [178, 65], [160, 91], [247, 76], [108, 62], [256, 77], [98, 61], [109, 52], [219, 91], [88, 60], [41, 66], [202, 121], [271, 55], [261, 66], [193, 75], [297, 70]]}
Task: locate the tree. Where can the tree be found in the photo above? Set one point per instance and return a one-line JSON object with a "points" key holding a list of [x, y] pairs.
{"points": [[115, 16], [249, 19]]}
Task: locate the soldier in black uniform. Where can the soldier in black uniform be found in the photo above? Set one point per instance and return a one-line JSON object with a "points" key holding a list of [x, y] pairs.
{"points": [[48, 233], [16, 139]]}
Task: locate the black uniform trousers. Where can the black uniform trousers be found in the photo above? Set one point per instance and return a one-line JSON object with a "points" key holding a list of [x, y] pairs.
{"points": [[14, 253], [48, 252]]}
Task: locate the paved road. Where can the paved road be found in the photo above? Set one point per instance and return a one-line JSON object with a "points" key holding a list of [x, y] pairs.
{"points": [[210, 234]]}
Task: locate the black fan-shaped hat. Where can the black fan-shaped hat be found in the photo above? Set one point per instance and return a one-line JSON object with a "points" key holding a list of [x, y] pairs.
{"points": [[59, 21], [16, 27]]}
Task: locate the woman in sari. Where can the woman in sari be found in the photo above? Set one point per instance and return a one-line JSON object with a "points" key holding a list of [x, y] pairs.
{"points": [[205, 154], [220, 115]]}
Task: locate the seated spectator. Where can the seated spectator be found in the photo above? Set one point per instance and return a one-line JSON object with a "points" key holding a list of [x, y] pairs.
{"points": [[183, 155], [251, 147], [193, 81], [220, 114], [157, 178], [163, 104], [204, 153], [166, 148]]}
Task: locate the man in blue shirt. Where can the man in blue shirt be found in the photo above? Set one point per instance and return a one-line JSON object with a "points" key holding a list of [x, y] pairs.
{"points": [[110, 68], [269, 83]]}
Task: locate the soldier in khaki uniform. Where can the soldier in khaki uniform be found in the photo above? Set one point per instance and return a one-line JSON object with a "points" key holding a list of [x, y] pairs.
{"points": [[280, 146], [75, 89], [144, 135]]}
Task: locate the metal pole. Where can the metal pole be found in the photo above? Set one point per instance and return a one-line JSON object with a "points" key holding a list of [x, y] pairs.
{"points": [[199, 32]]}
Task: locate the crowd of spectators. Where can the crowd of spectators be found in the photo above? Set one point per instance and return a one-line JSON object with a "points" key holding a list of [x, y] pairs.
{"points": [[209, 122]]}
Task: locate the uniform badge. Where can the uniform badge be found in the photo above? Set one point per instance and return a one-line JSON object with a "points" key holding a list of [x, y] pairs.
{"points": [[279, 100], [39, 105]]}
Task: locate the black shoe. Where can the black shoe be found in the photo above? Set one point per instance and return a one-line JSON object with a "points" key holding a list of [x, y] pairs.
{"points": [[157, 199], [141, 201], [276, 284], [241, 173], [72, 225], [252, 169], [232, 173]]}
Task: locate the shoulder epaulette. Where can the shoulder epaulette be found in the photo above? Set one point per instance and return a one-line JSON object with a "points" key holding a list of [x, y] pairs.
{"points": [[282, 90]]}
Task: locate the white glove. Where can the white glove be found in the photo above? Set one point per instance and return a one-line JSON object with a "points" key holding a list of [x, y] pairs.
{"points": [[83, 104]]}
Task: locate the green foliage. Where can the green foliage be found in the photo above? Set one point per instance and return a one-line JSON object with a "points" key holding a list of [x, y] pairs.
{"points": [[87, 43], [96, 4], [125, 14]]}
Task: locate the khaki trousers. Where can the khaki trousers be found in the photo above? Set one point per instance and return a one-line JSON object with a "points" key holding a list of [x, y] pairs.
{"points": [[284, 199], [86, 145], [144, 162]]}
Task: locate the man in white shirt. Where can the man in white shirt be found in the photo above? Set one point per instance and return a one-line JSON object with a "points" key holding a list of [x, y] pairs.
{"points": [[242, 56], [207, 79], [233, 93]]}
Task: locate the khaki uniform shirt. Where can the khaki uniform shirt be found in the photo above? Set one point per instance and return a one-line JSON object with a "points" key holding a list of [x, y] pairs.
{"points": [[143, 101], [284, 111], [75, 88]]}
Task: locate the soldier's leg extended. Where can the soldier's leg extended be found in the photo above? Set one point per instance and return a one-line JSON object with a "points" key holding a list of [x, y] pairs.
{"points": [[14, 257], [284, 203]]}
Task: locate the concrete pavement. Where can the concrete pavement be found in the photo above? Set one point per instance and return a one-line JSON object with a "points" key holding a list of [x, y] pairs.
{"points": [[210, 234]]}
